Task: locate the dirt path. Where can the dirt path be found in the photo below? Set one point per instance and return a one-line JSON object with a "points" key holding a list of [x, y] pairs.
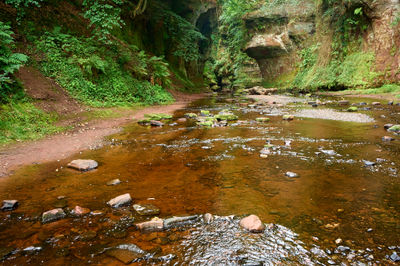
{"points": [[81, 138]]}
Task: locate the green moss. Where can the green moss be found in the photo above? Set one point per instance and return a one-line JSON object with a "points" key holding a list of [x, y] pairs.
{"points": [[395, 128], [158, 117], [205, 123]]}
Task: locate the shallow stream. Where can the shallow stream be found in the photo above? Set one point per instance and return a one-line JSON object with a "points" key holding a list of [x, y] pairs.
{"points": [[344, 206]]}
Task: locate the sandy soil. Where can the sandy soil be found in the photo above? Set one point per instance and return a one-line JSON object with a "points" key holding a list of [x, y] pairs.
{"points": [[81, 138]]}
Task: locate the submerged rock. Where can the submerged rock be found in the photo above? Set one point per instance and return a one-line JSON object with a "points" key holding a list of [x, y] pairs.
{"points": [[113, 182], [9, 205], [344, 102], [126, 253], [53, 215], [83, 165], [155, 224], [5, 252], [252, 223], [146, 209], [120, 201]]}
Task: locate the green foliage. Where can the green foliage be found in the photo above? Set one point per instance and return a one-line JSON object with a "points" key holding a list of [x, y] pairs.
{"points": [[99, 76], [104, 16], [181, 33], [232, 37], [22, 5], [9, 61], [23, 121]]}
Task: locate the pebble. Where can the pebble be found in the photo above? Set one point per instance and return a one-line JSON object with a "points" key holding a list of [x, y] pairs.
{"points": [[394, 257], [80, 211], [338, 241]]}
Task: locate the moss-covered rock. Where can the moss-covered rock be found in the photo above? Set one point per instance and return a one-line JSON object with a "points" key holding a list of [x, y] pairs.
{"points": [[226, 115], [158, 117], [191, 115], [352, 109], [205, 123], [262, 119], [395, 128], [204, 113], [288, 117]]}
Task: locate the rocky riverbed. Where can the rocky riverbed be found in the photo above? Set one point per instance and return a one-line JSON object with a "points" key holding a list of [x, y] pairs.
{"points": [[323, 191]]}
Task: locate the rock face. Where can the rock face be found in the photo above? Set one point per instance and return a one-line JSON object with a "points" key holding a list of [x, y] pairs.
{"points": [[252, 223], [83, 165], [286, 27], [119, 201], [53, 215]]}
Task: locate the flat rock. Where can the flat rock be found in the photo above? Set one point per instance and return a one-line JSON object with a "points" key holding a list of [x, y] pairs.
{"points": [[126, 253], [80, 211], [119, 201], [113, 182], [146, 209], [344, 102], [155, 224], [53, 215], [176, 221], [9, 205], [83, 165], [252, 223]]}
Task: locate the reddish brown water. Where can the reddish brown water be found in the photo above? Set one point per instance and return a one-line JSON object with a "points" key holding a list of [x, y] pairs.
{"points": [[187, 170]]}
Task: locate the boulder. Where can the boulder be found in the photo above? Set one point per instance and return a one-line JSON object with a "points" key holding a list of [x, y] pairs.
{"points": [[146, 209], [53, 215], [252, 223], [155, 224], [120, 201], [83, 165], [9, 205]]}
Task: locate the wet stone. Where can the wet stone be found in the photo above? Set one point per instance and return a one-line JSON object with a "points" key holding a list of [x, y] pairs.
{"points": [[146, 209], [376, 103], [387, 126], [288, 117], [53, 215], [63, 252], [9, 205], [291, 174], [252, 223], [119, 201], [155, 123], [178, 221], [344, 102], [87, 236], [31, 250], [394, 257], [368, 163], [126, 253], [83, 165], [155, 224], [113, 182], [208, 218], [387, 138], [78, 211]]}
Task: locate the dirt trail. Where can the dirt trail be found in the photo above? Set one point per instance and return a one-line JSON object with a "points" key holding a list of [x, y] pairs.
{"points": [[63, 145]]}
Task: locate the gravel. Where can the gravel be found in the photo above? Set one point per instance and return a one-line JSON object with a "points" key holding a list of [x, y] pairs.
{"points": [[331, 114]]}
